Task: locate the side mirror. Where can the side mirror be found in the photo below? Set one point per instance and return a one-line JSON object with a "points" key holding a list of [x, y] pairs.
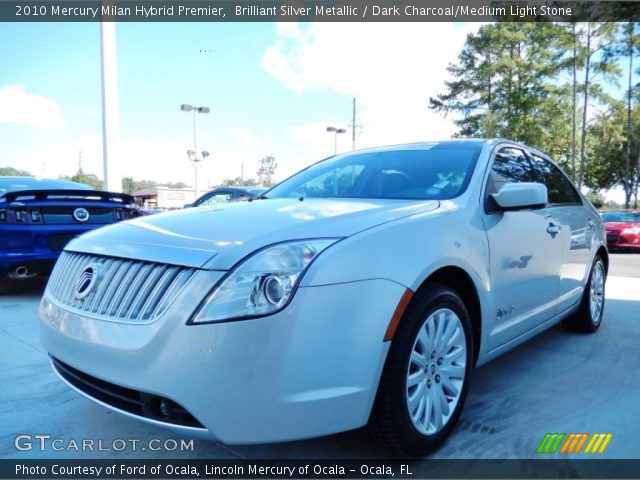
{"points": [[521, 196]]}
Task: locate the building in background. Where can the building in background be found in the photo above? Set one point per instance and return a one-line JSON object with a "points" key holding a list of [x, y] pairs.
{"points": [[164, 197]]}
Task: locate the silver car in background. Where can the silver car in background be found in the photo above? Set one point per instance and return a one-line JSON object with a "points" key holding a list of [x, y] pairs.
{"points": [[362, 290]]}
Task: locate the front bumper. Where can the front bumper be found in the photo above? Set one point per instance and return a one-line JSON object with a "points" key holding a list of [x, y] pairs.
{"points": [[309, 370], [623, 242]]}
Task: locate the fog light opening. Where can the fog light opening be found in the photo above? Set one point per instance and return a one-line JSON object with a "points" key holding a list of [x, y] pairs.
{"points": [[165, 408]]}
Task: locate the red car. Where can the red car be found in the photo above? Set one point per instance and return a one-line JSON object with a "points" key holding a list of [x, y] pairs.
{"points": [[623, 229]]}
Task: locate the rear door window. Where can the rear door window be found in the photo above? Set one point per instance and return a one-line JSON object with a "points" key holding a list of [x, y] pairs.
{"points": [[561, 191]]}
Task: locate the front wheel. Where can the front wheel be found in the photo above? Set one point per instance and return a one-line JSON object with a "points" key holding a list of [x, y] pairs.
{"points": [[588, 317], [426, 375]]}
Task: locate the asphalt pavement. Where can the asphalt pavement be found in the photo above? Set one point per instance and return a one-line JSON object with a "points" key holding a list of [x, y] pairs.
{"points": [[625, 265], [558, 382]]}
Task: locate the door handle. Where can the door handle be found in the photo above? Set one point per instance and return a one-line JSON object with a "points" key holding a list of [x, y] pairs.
{"points": [[591, 224], [553, 229]]}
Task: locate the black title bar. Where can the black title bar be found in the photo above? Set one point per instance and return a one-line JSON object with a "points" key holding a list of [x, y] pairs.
{"points": [[285, 469], [316, 11]]}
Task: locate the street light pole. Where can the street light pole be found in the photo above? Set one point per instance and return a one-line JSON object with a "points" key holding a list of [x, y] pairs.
{"points": [[194, 158], [335, 131], [195, 134], [193, 154]]}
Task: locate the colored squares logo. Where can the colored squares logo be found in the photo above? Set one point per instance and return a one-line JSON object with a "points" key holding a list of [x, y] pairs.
{"points": [[574, 443], [598, 443]]}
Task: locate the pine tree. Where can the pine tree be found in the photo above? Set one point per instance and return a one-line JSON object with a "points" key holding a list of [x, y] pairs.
{"points": [[504, 86], [598, 47], [631, 47]]}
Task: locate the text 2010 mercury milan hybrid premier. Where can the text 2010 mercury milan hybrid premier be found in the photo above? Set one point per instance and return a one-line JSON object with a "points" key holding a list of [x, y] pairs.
{"points": [[364, 289]]}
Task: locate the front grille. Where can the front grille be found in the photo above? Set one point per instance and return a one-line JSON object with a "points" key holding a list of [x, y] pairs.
{"points": [[125, 290], [132, 401]]}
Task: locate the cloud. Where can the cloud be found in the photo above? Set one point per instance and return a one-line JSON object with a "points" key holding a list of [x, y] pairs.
{"points": [[19, 107], [392, 69], [244, 136]]}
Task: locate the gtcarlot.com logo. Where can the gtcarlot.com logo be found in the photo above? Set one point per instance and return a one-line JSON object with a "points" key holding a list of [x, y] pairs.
{"points": [[574, 443], [45, 442]]}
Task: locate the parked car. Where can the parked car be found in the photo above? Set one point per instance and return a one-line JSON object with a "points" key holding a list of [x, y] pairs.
{"points": [[227, 194], [623, 229], [364, 289], [38, 217], [152, 210]]}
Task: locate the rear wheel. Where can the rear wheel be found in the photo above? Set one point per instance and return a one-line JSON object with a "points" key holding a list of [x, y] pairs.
{"points": [[589, 315], [425, 379]]}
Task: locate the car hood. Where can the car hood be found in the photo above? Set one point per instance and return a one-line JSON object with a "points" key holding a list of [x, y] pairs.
{"points": [[217, 237]]}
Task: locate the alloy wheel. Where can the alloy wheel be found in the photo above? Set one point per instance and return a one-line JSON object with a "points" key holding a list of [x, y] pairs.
{"points": [[436, 371], [596, 292]]}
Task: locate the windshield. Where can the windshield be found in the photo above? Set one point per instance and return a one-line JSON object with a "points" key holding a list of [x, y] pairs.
{"points": [[621, 217], [214, 197], [426, 172]]}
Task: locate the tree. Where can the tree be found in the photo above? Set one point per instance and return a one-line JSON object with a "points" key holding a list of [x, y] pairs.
{"points": [[596, 198], [13, 172], [504, 86], [507, 83], [238, 182], [574, 61], [130, 186], [470, 92], [607, 142], [631, 47], [84, 178], [597, 44], [574, 97], [127, 185], [266, 170], [176, 185], [604, 148]]}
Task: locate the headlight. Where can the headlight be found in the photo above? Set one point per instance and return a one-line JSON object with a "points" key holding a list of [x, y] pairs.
{"points": [[263, 283], [631, 231]]}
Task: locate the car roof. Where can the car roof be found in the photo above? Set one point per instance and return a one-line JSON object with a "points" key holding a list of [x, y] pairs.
{"points": [[472, 142], [16, 184], [238, 188], [454, 142]]}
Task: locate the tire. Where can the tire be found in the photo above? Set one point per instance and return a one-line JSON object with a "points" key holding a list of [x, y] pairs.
{"points": [[405, 417], [588, 317]]}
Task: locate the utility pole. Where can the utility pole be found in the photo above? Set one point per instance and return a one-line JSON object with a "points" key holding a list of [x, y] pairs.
{"points": [[353, 125]]}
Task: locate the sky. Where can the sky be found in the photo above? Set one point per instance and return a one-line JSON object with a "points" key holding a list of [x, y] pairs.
{"points": [[272, 88]]}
